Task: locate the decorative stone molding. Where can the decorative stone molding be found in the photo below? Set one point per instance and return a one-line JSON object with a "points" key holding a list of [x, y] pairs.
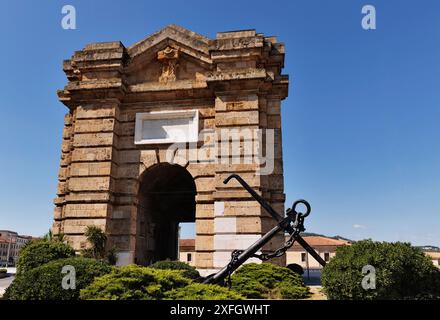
{"points": [[169, 58]]}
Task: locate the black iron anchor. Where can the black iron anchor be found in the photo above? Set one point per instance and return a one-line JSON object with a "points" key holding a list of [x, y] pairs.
{"points": [[292, 223]]}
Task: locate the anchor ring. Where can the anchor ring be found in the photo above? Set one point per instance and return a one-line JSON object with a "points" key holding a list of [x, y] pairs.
{"points": [[306, 204]]}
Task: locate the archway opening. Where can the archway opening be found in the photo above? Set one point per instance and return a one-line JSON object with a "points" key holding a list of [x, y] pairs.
{"points": [[166, 198]]}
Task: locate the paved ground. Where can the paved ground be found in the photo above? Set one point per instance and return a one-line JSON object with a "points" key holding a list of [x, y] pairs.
{"points": [[4, 283], [317, 293], [312, 277]]}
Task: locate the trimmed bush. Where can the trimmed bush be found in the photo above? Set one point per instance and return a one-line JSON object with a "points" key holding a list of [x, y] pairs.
{"points": [[3, 270], [37, 253], [188, 271], [268, 281], [45, 282], [134, 283], [402, 272], [296, 268], [198, 291]]}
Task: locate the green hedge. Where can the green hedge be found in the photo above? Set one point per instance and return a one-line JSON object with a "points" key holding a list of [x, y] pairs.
{"points": [[198, 291], [268, 281], [146, 283], [188, 271], [134, 283], [402, 272], [45, 282], [37, 253]]}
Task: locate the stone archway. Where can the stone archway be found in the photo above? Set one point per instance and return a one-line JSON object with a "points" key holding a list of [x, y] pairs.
{"points": [[166, 198], [124, 106]]}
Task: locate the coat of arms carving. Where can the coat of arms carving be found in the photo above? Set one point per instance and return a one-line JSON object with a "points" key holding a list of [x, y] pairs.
{"points": [[169, 58]]}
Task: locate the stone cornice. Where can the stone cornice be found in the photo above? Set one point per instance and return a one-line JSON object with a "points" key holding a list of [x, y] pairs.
{"points": [[239, 56], [182, 35], [237, 74]]}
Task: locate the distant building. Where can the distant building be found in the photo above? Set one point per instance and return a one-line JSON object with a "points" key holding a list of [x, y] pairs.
{"points": [[10, 245], [187, 251], [324, 246], [435, 257]]}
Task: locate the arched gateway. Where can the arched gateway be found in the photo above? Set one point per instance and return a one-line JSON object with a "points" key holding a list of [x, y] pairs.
{"points": [[166, 197], [154, 129]]}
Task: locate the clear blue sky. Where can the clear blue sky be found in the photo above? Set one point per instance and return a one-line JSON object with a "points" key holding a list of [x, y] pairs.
{"points": [[360, 126]]}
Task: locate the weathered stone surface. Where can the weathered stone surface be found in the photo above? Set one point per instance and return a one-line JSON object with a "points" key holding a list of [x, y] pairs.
{"points": [[58, 213], [128, 171], [92, 154], [89, 183], [94, 139], [205, 184], [67, 132], [128, 156], [243, 208], [234, 103], [250, 225], [204, 243], [78, 226], [198, 170], [93, 111], [121, 227], [84, 169], [205, 227], [126, 128], [204, 259], [123, 212], [204, 210], [126, 186], [88, 197], [87, 210], [250, 177], [237, 118], [94, 125], [274, 121]]}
